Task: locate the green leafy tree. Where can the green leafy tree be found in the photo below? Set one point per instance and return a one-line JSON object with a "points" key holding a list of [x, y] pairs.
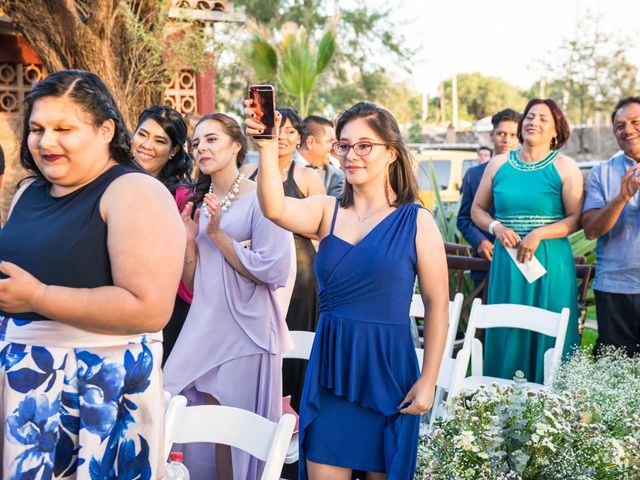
{"points": [[294, 65], [131, 44], [480, 96], [368, 39], [589, 72]]}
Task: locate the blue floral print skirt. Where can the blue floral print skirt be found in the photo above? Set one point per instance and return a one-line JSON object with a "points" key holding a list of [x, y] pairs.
{"points": [[79, 405]]}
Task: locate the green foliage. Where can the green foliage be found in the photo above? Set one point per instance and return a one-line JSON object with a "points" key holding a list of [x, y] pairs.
{"points": [[415, 133], [353, 72], [294, 65], [611, 381], [589, 71], [513, 433], [581, 245], [480, 96], [263, 58]]}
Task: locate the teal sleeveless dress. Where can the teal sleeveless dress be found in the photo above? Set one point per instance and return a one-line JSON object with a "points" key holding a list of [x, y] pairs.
{"points": [[527, 196]]}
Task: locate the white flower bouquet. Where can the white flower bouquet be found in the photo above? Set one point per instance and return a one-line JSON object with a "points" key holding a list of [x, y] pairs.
{"points": [[578, 431]]}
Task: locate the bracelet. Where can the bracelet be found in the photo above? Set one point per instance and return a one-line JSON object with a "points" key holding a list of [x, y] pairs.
{"points": [[492, 225], [188, 261]]}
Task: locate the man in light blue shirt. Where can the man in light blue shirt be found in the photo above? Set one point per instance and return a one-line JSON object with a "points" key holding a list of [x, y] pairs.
{"points": [[611, 213]]}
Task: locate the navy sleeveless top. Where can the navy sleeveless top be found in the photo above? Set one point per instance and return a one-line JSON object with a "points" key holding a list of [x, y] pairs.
{"points": [[60, 240]]}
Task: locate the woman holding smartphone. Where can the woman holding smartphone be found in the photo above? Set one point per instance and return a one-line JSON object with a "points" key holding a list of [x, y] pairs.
{"points": [[229, 350], [363, 392]]}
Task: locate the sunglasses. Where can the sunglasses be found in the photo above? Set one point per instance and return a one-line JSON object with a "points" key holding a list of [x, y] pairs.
{"points": [[341, 149]]}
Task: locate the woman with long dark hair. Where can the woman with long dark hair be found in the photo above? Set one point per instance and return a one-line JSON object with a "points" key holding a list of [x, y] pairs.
{"points": [[229, 350], [159, 146], [537, 194], [88, 281], [363, 391]]}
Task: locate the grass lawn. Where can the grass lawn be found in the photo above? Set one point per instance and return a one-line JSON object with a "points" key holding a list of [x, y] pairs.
{"points": [[589, 337]]}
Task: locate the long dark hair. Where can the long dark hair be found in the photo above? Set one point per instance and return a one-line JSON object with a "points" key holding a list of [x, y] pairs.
{"points": [[90, 93], [401, 175], [177, 170], [231, 128]]}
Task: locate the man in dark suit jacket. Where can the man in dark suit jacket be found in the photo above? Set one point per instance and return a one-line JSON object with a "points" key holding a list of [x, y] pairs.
{"points": [[316, 140], [504, 137]]}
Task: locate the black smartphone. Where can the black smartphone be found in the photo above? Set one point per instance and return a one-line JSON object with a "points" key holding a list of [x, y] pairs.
{"points": [[263, 100]]}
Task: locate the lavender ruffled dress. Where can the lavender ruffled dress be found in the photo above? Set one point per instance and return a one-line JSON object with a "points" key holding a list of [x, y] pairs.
{"points": [[232, 341]]}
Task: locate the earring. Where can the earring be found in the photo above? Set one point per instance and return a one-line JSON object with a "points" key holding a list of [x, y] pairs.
{"points": [[554, 143]]}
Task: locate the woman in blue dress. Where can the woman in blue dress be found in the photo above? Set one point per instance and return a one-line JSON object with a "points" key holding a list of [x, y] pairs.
{"points": [[363, 391]]}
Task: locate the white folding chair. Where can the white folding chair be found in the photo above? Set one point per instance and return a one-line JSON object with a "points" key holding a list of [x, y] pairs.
{"points": [[231, 426], [416, 310], [302, 341], [450, 378], [167, 400], [455, 309], [514, 316]]}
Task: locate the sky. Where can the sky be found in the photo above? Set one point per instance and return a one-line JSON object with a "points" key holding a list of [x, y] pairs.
{"points": [[502, 38]]}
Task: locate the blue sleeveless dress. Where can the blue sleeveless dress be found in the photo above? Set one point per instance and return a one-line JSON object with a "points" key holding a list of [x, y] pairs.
{"points": [[363, 361]]}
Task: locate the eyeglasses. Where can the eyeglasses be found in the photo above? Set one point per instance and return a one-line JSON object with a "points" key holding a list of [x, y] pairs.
{"points": [[361, 149]]}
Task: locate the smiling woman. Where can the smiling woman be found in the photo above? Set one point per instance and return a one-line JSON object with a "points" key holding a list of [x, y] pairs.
{"points": [[235, 260], [159, 146], [87, 283], [537, 195]]}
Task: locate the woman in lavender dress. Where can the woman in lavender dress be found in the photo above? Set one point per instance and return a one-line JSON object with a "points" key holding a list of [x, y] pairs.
{"points": [[229, 350]]}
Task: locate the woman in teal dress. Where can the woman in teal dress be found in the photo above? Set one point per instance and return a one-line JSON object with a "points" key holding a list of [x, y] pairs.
{"points": [[537, 194]]}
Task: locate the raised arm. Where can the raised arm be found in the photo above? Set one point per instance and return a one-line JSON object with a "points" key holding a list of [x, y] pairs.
{"points": [[302, 216], [599, 217], [146, 247]]}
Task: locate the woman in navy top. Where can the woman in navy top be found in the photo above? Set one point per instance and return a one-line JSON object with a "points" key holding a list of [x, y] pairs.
{"points": [[92, 254], [363, 392]]}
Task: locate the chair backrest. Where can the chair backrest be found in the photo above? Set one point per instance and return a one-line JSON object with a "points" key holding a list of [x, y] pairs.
{"points": [[450, 378], [452, 370], [231, 426], [524, 317], [303, 341], [455, 308], [167, 400]]}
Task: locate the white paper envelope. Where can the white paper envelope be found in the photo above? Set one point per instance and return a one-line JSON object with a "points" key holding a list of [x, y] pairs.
{"points": [[531, 269]]}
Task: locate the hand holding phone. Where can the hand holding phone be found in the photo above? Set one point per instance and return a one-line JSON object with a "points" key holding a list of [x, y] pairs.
{"points": [[263, 104]]}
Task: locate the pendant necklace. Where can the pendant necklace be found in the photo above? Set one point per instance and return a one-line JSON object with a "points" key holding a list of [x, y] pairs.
{"points": [[361, 220]]}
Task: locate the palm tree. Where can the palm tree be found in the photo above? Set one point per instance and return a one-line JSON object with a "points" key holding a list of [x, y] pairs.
{"points": [[294, 64]]}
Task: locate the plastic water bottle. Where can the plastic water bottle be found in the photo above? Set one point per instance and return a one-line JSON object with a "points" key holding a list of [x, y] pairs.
{"points": [[175, 469]]}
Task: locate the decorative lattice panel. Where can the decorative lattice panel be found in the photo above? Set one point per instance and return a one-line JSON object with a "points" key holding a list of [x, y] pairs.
{"points": [[16, 80], [180, 93]]}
